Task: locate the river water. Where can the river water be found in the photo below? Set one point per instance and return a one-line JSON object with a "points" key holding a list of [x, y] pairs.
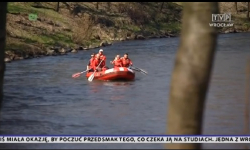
{"points": [[41, 98]]}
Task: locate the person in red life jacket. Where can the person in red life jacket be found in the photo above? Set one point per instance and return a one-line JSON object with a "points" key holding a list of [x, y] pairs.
{"points": [[102, 56], [126, 62], [90, 64], [117, 61], [96, 62]]}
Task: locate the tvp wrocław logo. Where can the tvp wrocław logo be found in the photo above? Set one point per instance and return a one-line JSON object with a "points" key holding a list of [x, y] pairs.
{"points": [[221, 20]]}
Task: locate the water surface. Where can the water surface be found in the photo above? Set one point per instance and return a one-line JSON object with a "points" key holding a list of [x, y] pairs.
{"points": [[41, 98]]}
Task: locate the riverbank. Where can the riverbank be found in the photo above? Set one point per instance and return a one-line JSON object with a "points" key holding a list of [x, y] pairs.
{"points": [[75, 26], [72, 26], [58, 51]]}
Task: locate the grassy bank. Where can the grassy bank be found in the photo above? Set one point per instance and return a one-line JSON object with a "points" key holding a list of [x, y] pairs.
{"points": [[84, 25], [77, 26]]}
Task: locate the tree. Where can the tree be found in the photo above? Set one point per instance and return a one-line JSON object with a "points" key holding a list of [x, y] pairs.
{"points": [[109, 6], [97, 5], [162, 4], [235, 4], [58, 6], [248, 9], [191, 72], [3, 11], [67, 5]]}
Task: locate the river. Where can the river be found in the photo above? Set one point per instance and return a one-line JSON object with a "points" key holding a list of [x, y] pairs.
{"points": [[41, 98]]}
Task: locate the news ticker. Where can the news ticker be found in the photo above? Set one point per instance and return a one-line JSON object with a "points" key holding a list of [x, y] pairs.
{"points": [[124, 139]]}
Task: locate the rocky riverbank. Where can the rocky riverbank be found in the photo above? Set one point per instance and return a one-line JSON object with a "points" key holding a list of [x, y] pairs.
{"points": [[76, 26], [58, 51], [13, 54]]}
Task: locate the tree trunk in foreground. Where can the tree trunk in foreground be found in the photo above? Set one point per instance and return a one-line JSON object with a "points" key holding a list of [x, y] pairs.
{"points": [[3, 11], [191, 74]]}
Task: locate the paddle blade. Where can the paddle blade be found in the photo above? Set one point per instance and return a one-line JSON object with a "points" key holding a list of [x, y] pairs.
{"points": [[141, 70], [76, 75], [145, 72], [91, 77]]}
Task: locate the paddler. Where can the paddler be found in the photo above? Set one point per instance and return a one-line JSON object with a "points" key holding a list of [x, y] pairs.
{"points": [[97, 61], [102, 56], [90, 64], [117, 61], [126, 62]]}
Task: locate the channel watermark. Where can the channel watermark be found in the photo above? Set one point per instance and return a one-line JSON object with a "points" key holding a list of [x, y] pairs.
{"points": [[221, 20]]}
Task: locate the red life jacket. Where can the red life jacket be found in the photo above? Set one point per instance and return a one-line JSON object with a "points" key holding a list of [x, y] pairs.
{"points": [[104, 59], [117, 63], [97, 62], [126, 62], [91, 62]]}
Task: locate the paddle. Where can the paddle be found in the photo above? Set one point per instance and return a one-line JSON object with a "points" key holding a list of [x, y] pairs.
{"points": [[93, 75], [136, 69], [76, 75], [139, 69]]}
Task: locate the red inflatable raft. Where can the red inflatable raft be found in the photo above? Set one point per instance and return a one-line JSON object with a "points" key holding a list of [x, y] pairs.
{"points": [[119, 73]]}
